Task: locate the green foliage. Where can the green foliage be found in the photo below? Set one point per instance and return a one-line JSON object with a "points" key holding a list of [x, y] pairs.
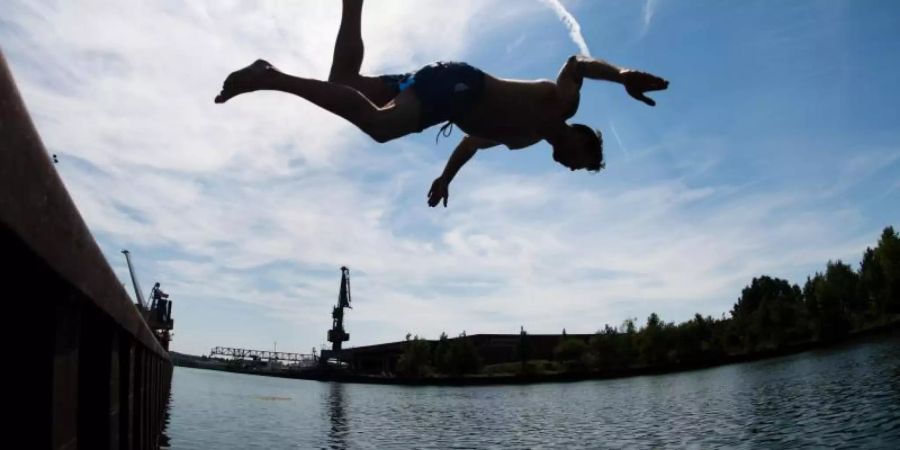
{"points": [[693, 340], [462, 356], [570, 349], [414, 362], [533, 367], [605, 349], [888, 254], [879, 275], [456, 357], [650, 341], [440, 354], [832, 298], [770, 314], [872, 287]]}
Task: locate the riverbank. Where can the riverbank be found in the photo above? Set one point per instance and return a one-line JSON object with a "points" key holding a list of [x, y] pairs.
{"points": [[343, 376], [844, 396], [891, 329]]}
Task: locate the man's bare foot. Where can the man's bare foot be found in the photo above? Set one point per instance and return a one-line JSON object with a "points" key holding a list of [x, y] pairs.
{"points": [[248, 79]]}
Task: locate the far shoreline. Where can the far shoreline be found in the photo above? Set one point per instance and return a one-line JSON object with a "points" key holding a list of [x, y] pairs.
{"points": [[336, 375]]}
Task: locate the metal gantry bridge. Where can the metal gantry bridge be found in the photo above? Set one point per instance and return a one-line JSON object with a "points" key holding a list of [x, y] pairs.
{"points": [[336, 335], [243, 353]]}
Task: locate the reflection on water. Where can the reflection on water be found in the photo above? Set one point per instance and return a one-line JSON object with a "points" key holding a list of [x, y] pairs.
{"points": [[846, 396], [337, 435]]}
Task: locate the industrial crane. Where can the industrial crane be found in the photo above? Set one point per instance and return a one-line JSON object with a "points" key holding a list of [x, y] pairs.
{"points": [[158, 312]]}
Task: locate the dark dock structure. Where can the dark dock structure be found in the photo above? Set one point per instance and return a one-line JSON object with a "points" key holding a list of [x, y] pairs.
{"points": [[492, 349], [93, 374]]}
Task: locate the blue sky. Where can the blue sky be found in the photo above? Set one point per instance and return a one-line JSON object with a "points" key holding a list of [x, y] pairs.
{"points": [[774, 150]]}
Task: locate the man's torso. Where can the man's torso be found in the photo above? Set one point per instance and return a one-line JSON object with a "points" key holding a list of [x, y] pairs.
{"points": [[516, 113]]}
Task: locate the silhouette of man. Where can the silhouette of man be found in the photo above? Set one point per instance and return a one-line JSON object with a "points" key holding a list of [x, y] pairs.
{"points": [[491, 111]]}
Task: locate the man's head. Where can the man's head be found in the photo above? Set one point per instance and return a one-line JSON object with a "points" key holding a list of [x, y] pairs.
{"points": [[579, 147]]}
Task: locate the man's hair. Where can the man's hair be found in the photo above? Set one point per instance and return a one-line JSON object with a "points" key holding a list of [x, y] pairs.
{"points": [[595, 141]]}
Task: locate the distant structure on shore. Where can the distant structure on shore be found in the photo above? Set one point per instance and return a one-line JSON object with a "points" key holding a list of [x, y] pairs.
{"points": [[337, 335], [277, 362], [157, 312]]}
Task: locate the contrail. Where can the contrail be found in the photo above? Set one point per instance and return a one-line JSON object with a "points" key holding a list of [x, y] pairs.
{"points": [[612, 126], [649, 10], [569, 21]]}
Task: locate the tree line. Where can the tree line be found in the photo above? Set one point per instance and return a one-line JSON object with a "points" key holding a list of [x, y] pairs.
{"points": [[771, 315]]}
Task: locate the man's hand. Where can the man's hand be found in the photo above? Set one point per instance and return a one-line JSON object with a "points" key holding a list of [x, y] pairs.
{"points": [[439, 190], [637, 83]]}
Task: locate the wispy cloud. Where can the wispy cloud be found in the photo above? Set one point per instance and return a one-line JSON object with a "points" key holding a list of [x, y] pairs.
{"points": [[571, 24], [514, 45], [615, 133], [647, 15]]}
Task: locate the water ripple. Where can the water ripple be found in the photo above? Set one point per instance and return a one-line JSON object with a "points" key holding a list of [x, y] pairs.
{"points": [[843, 397]]}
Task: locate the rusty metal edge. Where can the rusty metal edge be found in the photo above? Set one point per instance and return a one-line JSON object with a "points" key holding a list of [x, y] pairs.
{"points": [[36, 206]]}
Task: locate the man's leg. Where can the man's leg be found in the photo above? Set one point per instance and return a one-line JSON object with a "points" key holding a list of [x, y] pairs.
{"points": [[348, 48], [397, 119], [348, 57]]}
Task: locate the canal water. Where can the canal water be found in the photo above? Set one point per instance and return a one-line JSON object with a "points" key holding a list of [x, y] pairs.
{"points": [[842, 396]]}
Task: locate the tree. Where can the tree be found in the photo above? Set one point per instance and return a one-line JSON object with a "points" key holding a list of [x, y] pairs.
{"points": [[626, 344], [462, 356], [604, 349], [880, 273], [441, 351], [809, 296], [414, 362], [651, 345], [872, 286], [831, 296], [888, 253], [693, 338], [570, 350], [767, 311]]}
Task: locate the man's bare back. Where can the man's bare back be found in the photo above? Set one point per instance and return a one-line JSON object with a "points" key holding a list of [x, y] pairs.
{"points": [[492, 111], [515, 113]]}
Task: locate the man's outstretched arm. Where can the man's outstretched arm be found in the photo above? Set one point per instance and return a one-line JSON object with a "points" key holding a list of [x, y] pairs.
{"points": [[461, 155], [636, 83]]}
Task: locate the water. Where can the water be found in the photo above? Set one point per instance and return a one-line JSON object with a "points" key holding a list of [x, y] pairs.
{"points": [[845, 396]]}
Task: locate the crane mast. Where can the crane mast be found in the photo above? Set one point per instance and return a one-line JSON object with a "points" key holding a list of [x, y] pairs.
{"points": [[138, 295]]}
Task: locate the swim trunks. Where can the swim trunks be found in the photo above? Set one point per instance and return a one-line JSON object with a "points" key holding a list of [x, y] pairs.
{"points": [[447, 90]]}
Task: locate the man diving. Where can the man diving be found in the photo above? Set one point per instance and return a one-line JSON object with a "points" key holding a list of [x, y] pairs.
{"points": [[491, 111]]}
